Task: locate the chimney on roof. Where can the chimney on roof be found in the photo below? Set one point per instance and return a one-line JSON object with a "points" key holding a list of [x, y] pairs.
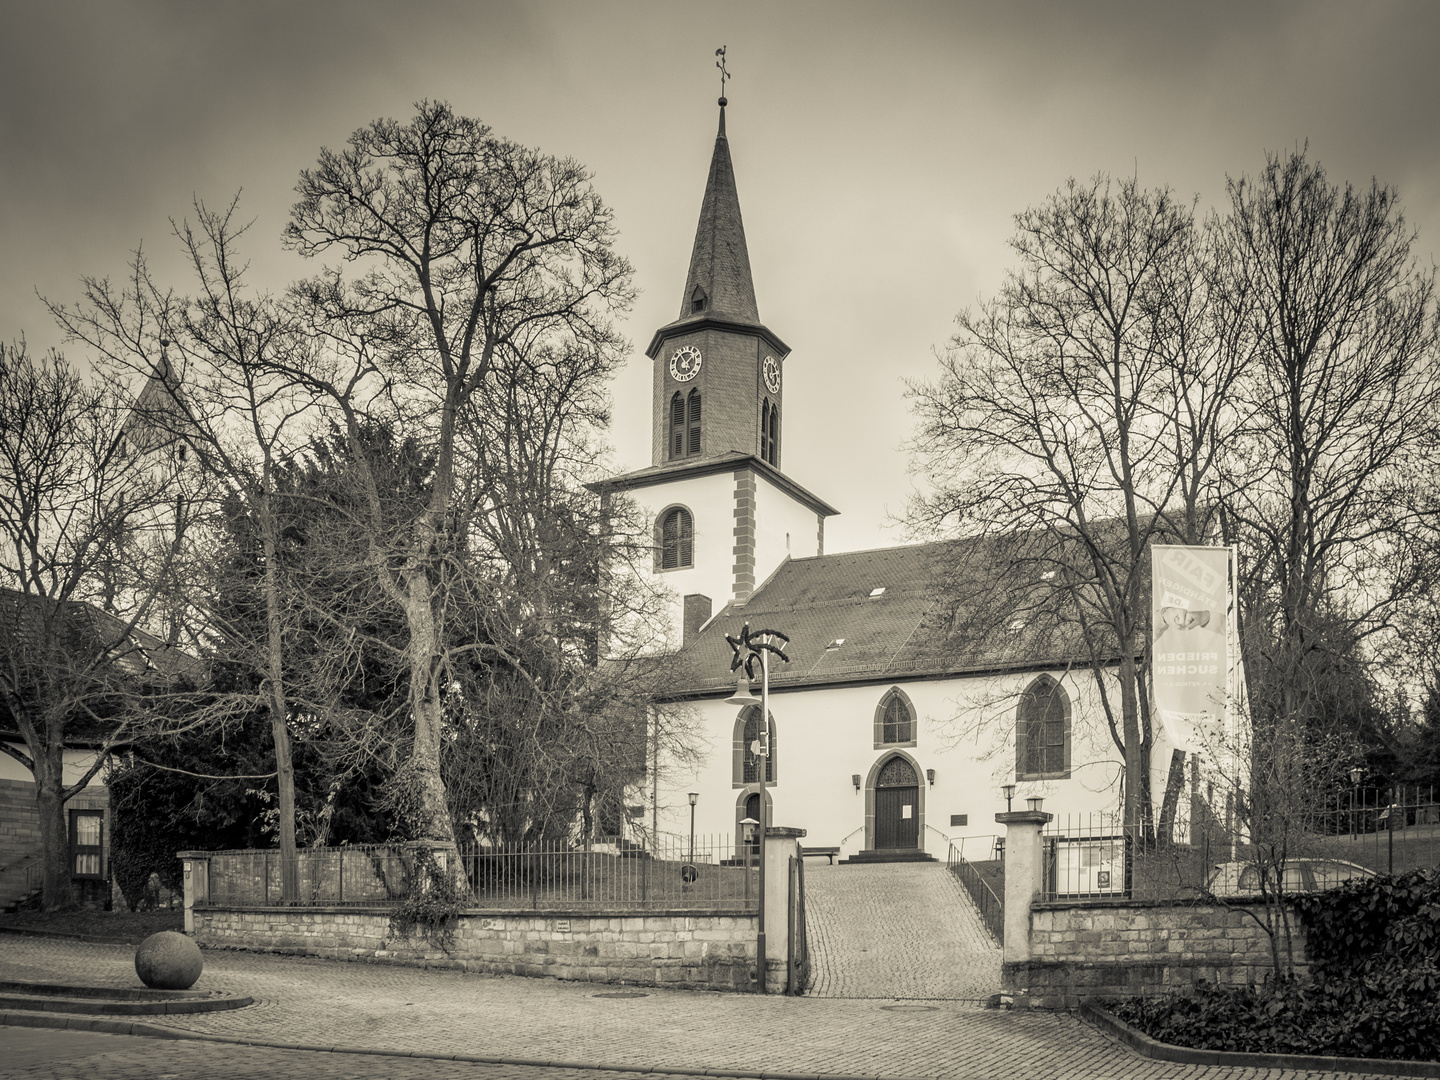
{"points": [[697, 614]]}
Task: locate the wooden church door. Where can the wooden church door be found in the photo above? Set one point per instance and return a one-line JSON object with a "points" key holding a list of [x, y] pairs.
{"points": [[897, 806]]}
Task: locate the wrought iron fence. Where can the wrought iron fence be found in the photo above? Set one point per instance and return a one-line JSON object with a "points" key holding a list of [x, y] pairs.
{"points": [[352, 874], [1213, 853], [666, 873], [988, 902]]}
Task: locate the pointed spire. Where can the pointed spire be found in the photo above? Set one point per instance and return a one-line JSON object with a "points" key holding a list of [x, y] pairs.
{"points": [[719, 277]]}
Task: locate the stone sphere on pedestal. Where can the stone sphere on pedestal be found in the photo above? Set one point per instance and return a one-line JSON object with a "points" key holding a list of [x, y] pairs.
{"points": [[168, 961]]}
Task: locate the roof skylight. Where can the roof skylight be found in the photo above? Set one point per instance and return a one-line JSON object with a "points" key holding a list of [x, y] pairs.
{"points": [[877, 591]]}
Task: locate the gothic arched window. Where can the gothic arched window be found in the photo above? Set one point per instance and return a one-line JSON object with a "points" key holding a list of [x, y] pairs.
{"points": [[774, 458], [894, 720], [1042, 732], [677, 539], [745, 764], [765, 430]]}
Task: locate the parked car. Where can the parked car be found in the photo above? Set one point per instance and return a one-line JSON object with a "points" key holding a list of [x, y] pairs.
{"points": [[1300, 875]]}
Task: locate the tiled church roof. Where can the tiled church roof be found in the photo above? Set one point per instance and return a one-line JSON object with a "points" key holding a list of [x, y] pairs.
{"points": [[951, 608]]}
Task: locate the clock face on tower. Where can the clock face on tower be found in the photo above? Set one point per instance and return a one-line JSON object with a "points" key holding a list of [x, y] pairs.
{"points": [[771, 370], [685, 364]]}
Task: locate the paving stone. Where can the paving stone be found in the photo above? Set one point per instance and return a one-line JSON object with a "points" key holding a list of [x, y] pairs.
{"points": [[896, 930], [411, 1010]]}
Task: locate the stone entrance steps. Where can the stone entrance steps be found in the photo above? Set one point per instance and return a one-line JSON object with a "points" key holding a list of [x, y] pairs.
{"points": [[889, 855]]}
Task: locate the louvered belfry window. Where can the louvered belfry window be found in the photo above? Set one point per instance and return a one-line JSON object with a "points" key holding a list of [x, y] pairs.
{"points": [[765, 430], [1042, 732], [677, 540], [693, 439], [677, 426], [775, 436]]}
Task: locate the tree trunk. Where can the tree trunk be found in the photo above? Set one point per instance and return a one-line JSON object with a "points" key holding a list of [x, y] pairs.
{"points": [[1174, 781], [1135, 763], [425, 650], [57, 892], [275, 702]]}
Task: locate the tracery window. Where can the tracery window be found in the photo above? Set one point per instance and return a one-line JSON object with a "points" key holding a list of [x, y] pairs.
{"points": [[1042, 732], [746, 764], [894, 720]]}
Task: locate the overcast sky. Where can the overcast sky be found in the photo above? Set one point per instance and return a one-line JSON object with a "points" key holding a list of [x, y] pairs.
{"points": [[880, 150]]}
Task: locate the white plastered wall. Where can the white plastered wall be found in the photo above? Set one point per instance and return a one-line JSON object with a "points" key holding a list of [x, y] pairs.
{"points": [[965, 733], [783, 527]]}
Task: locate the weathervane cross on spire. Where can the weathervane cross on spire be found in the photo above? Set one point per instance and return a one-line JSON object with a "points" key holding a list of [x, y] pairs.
{"points": [[724, 74]]}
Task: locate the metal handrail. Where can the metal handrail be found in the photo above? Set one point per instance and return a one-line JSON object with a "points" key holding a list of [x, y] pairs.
{"points": [[990, 906]]}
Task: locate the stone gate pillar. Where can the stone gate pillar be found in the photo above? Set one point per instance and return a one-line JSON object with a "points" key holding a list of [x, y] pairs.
{"points": [[1024, 880]]}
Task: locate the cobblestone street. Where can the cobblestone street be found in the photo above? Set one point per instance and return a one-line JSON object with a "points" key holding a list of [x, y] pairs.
{"points": [[405, 1010], [896, 931]]}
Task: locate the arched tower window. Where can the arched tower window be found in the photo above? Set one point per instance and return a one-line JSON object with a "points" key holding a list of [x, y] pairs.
{"points": [[765, 430], [677, 425], [894, 720], [774, 457], [692, 442], [1042, 732], [745, 765], [677, 539]]}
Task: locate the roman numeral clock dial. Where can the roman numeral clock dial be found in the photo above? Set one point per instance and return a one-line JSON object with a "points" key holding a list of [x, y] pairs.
{"points": [[685, 364], [771, 371]]}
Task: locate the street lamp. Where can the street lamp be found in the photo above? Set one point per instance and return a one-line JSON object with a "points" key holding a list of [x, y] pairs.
{"points": [[746, 648], [1009, 791], [694, 797], [1355, 774]]}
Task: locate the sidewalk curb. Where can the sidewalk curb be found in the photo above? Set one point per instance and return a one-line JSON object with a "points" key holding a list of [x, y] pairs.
{"points": [[159, 1031], [89, 939], [1145, 1046]]}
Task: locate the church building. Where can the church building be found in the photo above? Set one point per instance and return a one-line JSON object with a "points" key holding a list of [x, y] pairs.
{"points": [[892, 736]]}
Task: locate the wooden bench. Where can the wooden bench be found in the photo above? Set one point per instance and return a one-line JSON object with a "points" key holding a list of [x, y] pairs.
{"points": [[830, 852]]}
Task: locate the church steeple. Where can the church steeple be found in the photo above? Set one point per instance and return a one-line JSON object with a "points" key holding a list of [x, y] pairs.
{"points": [[717, 390], [719, 282]]}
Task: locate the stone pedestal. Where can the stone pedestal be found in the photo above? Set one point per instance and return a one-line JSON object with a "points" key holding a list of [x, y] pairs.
{"points": [[781, 844], [1024, 879], [197, 883]]}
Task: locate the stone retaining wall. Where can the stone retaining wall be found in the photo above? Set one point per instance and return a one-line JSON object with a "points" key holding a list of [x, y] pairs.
{"points": [[708, 951], [1127, 947]]}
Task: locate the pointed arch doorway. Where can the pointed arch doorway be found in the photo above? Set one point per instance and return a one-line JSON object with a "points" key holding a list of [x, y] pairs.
{"points": [[897, 805]]}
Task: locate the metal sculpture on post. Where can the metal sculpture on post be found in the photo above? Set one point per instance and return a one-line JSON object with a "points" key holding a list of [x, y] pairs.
{"points": [[748, 648]]}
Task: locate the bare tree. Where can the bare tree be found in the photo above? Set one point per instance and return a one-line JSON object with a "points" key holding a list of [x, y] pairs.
{"points": [[80, 508], [465, 245], [1081, 413], [1332, 504], [216, 391]]}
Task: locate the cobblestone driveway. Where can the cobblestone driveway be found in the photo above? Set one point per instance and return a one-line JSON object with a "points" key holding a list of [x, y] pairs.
{"points": [[406, 1010], [896, 931]]}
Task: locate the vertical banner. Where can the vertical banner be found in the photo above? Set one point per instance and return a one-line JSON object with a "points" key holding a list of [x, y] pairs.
{"points": [[1189, 617]]}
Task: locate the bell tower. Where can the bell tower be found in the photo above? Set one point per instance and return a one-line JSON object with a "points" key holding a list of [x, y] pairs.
{"points": [[724, 516], [718, 378]]}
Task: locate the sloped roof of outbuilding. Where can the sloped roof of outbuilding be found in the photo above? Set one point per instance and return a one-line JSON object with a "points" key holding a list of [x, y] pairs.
{"points": [[892, 614], [84, 631]]}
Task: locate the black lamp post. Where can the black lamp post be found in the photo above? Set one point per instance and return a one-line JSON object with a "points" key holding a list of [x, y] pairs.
{"points": [[693, 796], [1355, 774], [746, 649]]}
